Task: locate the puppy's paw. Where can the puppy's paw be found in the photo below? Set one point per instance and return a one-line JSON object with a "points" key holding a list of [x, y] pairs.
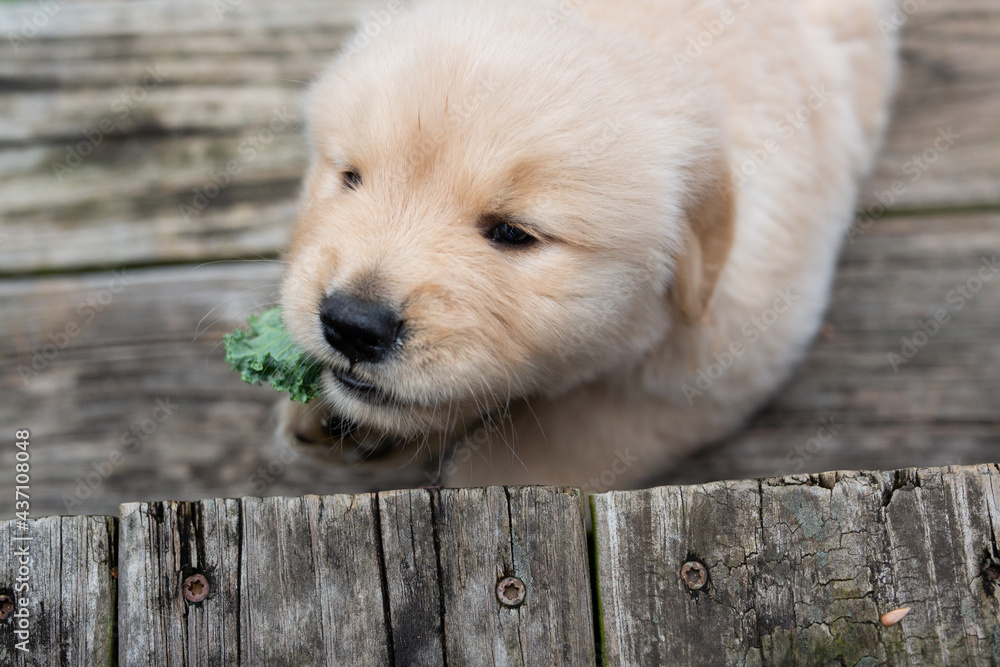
{"points": [[303, 427], [312, 429]]}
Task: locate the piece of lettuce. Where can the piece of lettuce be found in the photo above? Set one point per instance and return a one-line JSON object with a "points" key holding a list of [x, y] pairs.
{"points": [[265, 353]]}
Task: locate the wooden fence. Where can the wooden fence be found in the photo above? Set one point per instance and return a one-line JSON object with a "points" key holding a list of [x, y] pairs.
{"points": [[794, 570]]}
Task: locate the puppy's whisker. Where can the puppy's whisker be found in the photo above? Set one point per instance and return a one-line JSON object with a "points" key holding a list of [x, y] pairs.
{"points": [[417, 450], [482, 411], [236, 297], [255, 307], [503, 417], [498, 420], [541, 429], [258, 259]]}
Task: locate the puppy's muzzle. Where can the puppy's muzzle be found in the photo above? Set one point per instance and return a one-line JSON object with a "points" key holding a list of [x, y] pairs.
{"points": [[360, 329]]}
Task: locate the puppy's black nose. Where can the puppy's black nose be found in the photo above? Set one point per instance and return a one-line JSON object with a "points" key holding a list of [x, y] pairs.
{"points": [[362, 330]]}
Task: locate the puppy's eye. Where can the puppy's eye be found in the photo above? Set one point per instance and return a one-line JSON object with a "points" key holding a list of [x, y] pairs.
{"points": [[352, 179], [504, 233]]}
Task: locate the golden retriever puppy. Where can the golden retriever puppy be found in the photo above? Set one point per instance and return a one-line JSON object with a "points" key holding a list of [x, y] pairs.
{"points": [[564, 243]]}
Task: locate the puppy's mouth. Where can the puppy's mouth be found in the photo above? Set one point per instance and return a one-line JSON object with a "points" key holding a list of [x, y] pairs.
{"points": [[362, 389]]}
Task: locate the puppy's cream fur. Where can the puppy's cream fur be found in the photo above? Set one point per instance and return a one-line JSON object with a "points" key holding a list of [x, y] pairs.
{"points": [[676, 195]]}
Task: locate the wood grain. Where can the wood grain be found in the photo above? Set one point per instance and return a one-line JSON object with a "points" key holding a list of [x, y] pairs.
{"points": [[800, 570], [948, 85], [536, 534], [405, 578], [71, 581], [94, 147], [291, 581], [412, 576]]}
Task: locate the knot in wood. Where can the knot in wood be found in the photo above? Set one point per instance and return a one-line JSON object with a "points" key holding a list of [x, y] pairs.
{"points": [[6, 606], [694, 575], [510, 592], [195, 588]]}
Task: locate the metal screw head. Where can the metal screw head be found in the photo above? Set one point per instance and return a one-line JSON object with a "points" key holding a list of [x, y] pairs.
{"points": [[510, 592], [6, 606], [694, 575], [195, 588]]}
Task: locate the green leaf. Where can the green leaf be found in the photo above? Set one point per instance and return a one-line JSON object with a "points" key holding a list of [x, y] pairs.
{"points": [[265, 353]]}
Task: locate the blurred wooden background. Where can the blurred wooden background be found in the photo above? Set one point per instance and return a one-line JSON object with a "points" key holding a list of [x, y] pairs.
{"points": [[150, 154]]}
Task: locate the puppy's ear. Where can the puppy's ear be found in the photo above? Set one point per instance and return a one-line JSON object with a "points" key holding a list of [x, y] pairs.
{"points": [[709, 229]]}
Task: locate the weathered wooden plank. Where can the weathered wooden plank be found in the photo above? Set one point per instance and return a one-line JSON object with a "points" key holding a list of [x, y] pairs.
{"points": [[104, 65], [799, 570], [171, 183], [69, 569], [165, 545], [943, 140], [535, 534], [110, 18], [406, 578], [226, 75], [412, 577], [97, 149], [289, 581], [65, 116]]}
